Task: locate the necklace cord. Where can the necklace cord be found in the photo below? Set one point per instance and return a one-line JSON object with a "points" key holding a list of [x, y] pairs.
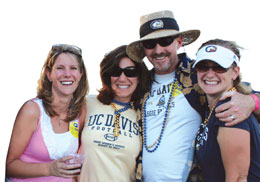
{"points": [[212, 109]]}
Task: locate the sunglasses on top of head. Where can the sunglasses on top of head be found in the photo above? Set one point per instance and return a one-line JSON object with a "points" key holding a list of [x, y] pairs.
{"points": [[164, 42], [67, 48], [203, 67], [130, 71]]}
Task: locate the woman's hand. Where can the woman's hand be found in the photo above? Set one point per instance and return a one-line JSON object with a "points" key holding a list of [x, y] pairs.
{"points": [[62, 168]]}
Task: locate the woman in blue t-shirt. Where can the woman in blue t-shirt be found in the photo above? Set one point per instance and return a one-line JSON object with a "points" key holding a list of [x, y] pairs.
{"points": [[225, 153]]}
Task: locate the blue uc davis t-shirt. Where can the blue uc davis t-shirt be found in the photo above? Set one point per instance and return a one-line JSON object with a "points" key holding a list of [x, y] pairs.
{"points": [[208, 151]]}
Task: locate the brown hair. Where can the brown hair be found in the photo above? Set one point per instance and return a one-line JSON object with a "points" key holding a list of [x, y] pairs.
{"points": [[44, 89], [240, 86], [107, 66]]}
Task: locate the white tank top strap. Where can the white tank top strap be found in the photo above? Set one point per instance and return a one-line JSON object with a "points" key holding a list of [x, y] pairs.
{"points": [[58, 144]]}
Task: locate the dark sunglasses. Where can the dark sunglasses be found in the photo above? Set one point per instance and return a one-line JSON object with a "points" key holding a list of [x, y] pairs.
{"points": [[204, 67], [130, 71], [165, 41], [67, 48]]}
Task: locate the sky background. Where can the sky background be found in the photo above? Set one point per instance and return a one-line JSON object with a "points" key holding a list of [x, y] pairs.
{"points": [[29, 28]]}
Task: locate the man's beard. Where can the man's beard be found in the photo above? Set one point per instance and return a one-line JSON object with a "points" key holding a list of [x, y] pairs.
{"points": [[161, 67]]}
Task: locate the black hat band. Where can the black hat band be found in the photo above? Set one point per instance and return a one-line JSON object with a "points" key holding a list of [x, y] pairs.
{"points": [[158, 24]]}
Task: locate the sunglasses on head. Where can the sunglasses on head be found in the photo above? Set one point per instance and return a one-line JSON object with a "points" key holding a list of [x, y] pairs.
{"points": [[203, 67], [130, 71], [67, 48], [165, 41]]}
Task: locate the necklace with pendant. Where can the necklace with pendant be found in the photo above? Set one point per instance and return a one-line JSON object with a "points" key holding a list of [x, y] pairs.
{"points": [[155, 145], [60, 122], [117, 113]]}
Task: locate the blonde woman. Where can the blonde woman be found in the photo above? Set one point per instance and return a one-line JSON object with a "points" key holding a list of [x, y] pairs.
{"points": [[46, 129]]}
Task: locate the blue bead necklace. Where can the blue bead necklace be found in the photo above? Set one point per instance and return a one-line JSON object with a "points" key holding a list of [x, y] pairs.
{"points": [[155, 145], [126, 106]]}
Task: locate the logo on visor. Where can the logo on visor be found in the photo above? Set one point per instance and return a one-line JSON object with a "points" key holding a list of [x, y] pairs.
{"points": [[156, 24], [211, 49]]}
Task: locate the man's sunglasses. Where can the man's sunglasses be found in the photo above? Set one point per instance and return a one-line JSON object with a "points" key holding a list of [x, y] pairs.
{"points": [[204, 67], [130, 71], [165, 41]]}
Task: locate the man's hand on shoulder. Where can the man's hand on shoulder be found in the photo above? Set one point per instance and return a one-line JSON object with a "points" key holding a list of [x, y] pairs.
{"points": [[237, 109]]}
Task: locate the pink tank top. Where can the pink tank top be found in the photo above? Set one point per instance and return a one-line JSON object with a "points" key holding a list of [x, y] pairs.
{"points": [[44, 145]]}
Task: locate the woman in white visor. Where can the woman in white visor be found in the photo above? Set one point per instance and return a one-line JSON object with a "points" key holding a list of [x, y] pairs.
{"points": [[225, 153]]}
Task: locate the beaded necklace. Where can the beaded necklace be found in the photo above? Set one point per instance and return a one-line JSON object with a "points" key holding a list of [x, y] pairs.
{"points": [[211, 110], [157, 142], [117, 113]]}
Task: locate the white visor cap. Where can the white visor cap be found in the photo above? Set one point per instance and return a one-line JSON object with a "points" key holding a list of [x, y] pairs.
{"points": [[218, 54]]}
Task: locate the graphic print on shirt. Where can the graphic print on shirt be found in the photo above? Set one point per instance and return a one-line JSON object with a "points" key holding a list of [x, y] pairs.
{"points": [[202, 136], [163, 94], [106, 124]]}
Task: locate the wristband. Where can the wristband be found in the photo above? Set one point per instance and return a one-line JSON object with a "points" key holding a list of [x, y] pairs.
{"points": [[256, 101]]}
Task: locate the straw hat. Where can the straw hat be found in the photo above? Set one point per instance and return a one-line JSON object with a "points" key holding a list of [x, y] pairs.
{"points": [[157, 25]]}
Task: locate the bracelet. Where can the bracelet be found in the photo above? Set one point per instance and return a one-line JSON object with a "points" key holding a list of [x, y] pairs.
{"points": [[256, 101]]}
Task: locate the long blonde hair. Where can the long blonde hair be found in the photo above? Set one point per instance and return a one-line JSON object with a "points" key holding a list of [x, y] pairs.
{"points": [[44, 89]]}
